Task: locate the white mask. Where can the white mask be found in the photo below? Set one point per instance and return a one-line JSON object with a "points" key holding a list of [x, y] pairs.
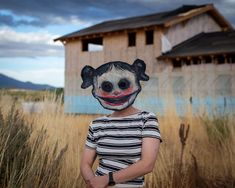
{"points": [[115, 84]]}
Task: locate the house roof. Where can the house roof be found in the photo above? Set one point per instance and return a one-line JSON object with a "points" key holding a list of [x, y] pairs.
{"points": [[165, 19], [204, 44]]}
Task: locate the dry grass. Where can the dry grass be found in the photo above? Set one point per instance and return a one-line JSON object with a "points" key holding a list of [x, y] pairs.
{"points": [[204, 159]]}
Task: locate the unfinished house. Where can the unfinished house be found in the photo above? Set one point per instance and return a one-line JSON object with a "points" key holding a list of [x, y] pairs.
{"points": [[189, 52]]}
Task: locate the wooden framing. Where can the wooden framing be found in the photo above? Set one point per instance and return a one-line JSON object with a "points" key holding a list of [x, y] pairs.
{"points": [[115, 47]]}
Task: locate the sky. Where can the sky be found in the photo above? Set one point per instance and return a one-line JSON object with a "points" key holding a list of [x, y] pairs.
{"points": [[28, 27]]}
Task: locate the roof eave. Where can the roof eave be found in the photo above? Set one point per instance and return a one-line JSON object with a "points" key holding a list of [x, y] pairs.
{"points": [[163, 57], [208, 8], [95, 34]]}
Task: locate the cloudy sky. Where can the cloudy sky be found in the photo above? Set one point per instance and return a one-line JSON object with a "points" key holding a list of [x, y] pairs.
{"points": [[28, 27]]}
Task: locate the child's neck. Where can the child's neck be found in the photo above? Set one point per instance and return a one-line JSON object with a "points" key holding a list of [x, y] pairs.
{"points": [[128, 111]]}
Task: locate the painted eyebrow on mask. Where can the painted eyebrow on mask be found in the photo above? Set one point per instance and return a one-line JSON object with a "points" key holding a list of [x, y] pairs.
{"points": [[138, 68]]}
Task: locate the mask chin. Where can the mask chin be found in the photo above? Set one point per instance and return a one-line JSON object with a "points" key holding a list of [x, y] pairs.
{"points": [[118, 104]]}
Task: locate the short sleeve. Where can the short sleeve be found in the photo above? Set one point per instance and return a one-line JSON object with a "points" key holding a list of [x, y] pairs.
{"points": [[91, 141], [151, 127]]}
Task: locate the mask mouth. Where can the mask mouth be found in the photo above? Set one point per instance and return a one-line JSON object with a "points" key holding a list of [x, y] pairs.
{"points": [[117, 100]]}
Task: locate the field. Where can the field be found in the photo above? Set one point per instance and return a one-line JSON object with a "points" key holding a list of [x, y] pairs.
{"points": [[43, 149]]}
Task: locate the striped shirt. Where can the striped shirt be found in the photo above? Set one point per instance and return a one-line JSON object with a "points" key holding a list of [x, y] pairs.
{"points": [[118, 142]]}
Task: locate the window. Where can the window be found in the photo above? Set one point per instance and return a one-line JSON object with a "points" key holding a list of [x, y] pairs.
{"points": [[149, 37], [195, 61], [208, 59], [131, 39], [220, 59], [95, 44], [187, 62], [176, 63]]}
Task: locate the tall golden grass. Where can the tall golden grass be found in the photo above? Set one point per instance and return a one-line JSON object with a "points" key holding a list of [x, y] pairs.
{"points": [[203, 156]]}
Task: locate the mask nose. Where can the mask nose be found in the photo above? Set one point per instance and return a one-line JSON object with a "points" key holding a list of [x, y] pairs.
{"points": [[117, 92]]}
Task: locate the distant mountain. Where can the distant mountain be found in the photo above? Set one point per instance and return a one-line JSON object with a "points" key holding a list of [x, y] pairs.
{"points": [[11, 83]]}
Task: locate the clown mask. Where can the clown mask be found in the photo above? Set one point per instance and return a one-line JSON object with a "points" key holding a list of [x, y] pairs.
{"points": [[115, 84]]}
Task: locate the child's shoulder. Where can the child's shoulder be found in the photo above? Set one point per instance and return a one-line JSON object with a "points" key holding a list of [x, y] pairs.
{"points": [[99, 120], [148, 114]]}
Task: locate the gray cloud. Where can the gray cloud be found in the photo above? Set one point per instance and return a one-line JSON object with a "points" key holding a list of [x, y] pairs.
{"points": [[9, 20], [33, 44], [49, 12], [20, 49], [44, 12]]}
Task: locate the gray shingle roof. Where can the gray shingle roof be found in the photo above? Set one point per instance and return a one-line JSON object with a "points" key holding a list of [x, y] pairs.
{"points": [[204, 44], [131, 23]]}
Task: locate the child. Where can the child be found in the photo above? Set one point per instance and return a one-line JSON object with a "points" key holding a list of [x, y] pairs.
{"points": [[127, 141]]}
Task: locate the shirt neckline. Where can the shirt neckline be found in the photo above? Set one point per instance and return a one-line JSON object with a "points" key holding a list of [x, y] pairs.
{"points": [[121, 117]]}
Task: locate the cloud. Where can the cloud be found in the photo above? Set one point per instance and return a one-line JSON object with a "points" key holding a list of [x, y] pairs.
{"points": [[9, 20], [31, 44], [77, 12], [46, 12]]}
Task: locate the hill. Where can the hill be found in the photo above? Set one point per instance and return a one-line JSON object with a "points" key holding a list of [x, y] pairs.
{"points": [[11, 83]]}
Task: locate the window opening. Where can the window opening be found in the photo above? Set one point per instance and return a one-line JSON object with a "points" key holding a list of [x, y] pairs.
{"points": [[132, 39], [220, 59], [195, 61], [176, 63], [208, 59], [149, 37], [187, 62], [91, 45]]}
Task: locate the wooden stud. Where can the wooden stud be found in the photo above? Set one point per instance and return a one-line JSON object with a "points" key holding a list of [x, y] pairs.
{"points": [[200, 59], [212, 58], [225, 58]]}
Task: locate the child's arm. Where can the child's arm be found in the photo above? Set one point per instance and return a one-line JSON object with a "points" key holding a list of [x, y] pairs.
{"points": [[150, 147], [145, 165], [88, 158]]}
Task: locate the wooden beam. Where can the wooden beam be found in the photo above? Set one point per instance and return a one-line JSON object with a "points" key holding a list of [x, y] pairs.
{"points": [[200, 59], [210, 9], [188, 15]]}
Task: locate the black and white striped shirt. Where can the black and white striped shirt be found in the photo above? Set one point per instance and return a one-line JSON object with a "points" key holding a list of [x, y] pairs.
{"points": [[118, 142]]}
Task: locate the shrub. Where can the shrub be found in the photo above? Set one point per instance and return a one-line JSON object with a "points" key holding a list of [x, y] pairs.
{"points": [[217, 128], [24, 160]]}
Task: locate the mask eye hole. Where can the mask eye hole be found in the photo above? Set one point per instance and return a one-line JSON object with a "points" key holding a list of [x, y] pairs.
{"points": [[107, 86], [124, 84]]}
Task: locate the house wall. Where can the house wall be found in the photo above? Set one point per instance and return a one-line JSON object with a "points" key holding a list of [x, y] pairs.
{"points": [[115, 47], [185, 30], [198, 89], [191, 87]]}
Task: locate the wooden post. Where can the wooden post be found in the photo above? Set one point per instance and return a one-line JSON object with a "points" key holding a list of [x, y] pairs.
{"points": [[213, 59], [225, 58], [200, 59], [190, 59]]}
